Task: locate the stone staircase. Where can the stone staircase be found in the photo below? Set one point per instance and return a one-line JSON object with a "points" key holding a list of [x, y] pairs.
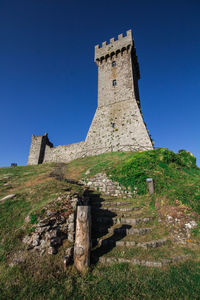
{"points": [[120, 226]]}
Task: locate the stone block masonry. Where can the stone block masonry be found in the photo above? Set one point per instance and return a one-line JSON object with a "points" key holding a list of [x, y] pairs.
{"points": [[38, 149], [118, 124]]}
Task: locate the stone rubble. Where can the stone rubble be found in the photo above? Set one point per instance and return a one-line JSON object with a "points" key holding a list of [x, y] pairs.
{"points": [[190, 225], [180, 226], [100, 182], [57, 225], [68, 256]]}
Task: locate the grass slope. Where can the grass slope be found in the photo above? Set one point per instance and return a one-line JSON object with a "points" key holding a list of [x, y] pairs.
{"points": [[176, 177]]}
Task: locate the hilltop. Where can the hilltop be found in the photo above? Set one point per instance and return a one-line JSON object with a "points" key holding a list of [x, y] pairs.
{"points": [[171, 214]]}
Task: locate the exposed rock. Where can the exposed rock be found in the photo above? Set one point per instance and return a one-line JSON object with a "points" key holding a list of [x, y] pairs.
{"points": [[27, 219], [7, 197], [69, 251], [180, 220], [87, 172], [71, 237], [8, 185], [71, 218], [55, 241], [56, 223], [71, 227], [192, 224], [68, 256], [42, 229], [52, 250]]}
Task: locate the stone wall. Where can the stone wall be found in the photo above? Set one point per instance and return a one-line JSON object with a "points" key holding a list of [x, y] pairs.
{"points": [[38, 149], [117, 61], [100, 182], [64, 153], [122, 73], [34, 153], [119, 127]]}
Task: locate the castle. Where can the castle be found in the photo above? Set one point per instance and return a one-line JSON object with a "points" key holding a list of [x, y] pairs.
{"points": [[118, 124]]}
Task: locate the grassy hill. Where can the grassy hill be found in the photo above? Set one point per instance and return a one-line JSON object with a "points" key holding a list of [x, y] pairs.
{"points": [[176, 175], [177, 186]]}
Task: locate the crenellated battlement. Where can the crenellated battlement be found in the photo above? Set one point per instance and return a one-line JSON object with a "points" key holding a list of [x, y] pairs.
{"points": [[115, 47]]}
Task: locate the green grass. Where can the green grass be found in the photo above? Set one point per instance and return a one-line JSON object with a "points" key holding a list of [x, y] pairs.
{"points": [[43, 277], [112, 282], [176, 176], [34, 189]]}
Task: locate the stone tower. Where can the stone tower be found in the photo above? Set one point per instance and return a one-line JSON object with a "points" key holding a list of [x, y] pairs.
{"points": [[118, 123]]}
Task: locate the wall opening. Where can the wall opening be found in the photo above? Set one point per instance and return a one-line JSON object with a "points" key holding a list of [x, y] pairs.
{"points": [[114, 83]]}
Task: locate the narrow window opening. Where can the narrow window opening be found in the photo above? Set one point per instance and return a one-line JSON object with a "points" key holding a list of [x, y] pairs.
{"points": [[113, 63], [114, 82]]}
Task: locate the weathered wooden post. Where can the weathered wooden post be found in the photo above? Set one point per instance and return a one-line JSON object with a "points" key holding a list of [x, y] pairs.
{"points": [[82, 245], [150, 185]]}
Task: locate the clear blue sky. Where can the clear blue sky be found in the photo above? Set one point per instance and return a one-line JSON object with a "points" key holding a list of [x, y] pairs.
{"points": [[48, 80]]}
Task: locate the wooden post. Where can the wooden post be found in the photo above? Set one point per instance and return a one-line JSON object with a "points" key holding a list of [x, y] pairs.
{"points": [[83, 238], [150, 185]]}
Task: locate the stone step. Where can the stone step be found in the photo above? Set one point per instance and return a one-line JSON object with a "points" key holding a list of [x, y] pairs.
{"points": [[121, 209], [120, 243], [109, 203], [133, 221], [116, 220], [127, 215], [122, 230], [95, 203], [126, 244], [115, 216], [153, 244], [103, 213], [104, 230], [145, 245], [105, 220], [135, 261], [139, 231], [115, 209], [117, 203]]}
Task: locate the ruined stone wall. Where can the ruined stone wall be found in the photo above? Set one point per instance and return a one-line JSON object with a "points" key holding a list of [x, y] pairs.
{"points": [[37, 144], [64, 153], [38, 149]]}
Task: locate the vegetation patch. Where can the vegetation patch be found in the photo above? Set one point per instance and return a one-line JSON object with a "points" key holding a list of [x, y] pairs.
{"points": [[177, 186], [176, 176]]}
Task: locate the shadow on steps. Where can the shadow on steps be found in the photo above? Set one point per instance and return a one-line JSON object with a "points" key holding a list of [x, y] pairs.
{"points": [[100, 229]]}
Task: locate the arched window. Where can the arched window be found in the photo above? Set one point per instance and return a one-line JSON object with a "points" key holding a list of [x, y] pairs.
{"points": [[114, 82]]}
